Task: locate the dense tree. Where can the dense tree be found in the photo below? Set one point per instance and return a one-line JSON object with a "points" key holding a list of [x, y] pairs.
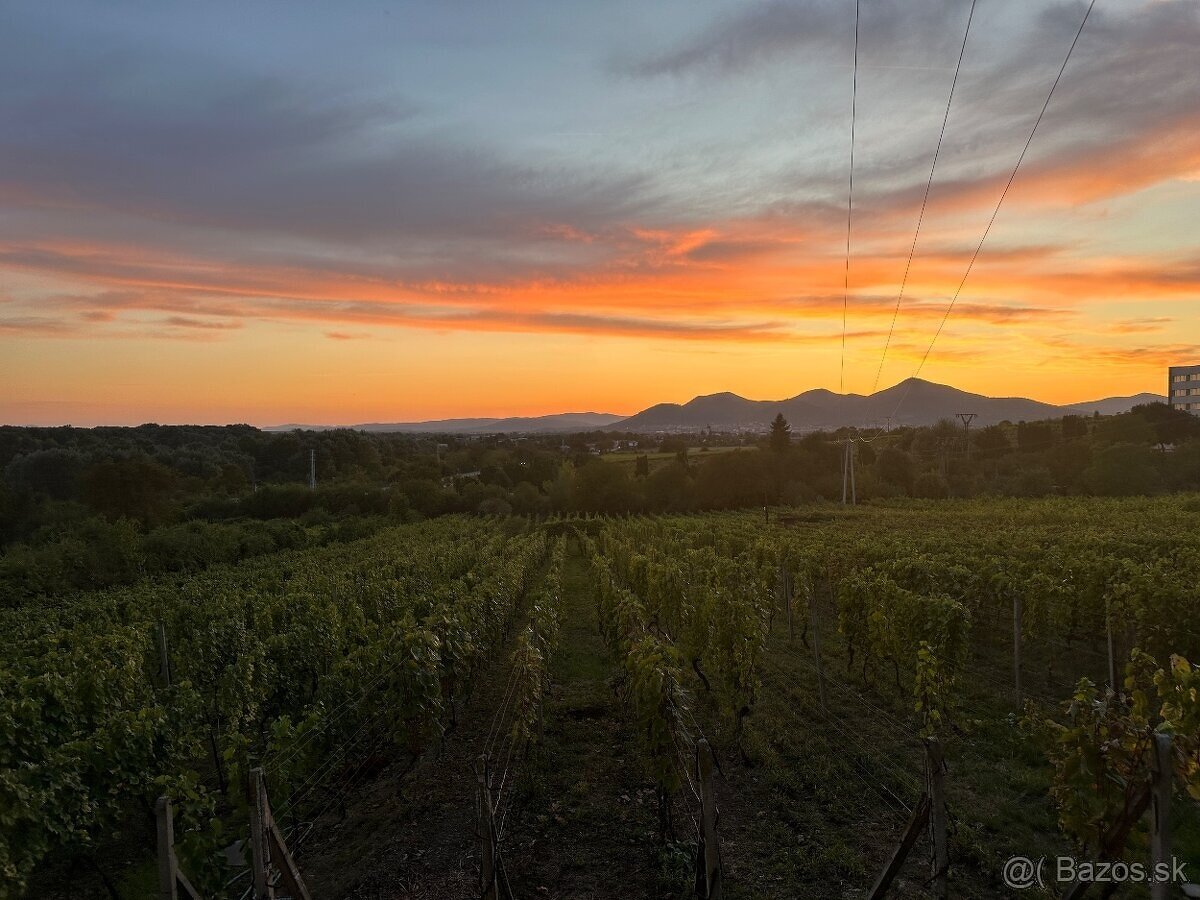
{"points": [[137, 488], [605, 488], [1074, 427], [781, 434], [896, 467], [54, 472], [1034, 436], [669, 488], [730, 480], [1122, 470], [672, 444], [1170, 425], [991, 441], [1127, 429]]}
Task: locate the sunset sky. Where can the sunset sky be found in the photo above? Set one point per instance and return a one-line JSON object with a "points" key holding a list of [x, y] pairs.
{"points": [[275, 211]]}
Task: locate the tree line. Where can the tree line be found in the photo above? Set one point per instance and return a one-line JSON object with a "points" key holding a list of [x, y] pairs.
{"points": [[82, 508]]}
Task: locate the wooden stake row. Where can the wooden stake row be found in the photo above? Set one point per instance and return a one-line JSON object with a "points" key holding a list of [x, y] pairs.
{"points": [[269, 849], [930, 812], [171, 881]]}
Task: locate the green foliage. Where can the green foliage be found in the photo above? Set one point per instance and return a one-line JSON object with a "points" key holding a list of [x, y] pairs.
{"points": [[294, 651], [535, 646], [1103, 750], [780, 439]]}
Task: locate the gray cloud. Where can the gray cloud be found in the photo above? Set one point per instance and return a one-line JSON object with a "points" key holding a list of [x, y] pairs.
{"points": [[130, 132], [761, 33]]}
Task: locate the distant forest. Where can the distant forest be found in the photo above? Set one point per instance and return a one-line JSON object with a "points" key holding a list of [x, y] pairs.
{"points": [[83, 508]]}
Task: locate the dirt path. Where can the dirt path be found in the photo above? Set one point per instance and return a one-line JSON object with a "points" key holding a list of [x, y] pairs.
{"points": [[579, 818], [583, 823]]}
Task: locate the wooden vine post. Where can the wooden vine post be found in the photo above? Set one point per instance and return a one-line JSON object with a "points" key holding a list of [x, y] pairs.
{"points": [[1161, 786], [930, 812], [489, 864], [783, 591], [268, 847], [708, 857], [821, 586], [789, 589], [172, 883], [920, 818], [164, 656], [1112, 662], [937, 816], [1017, 614]]}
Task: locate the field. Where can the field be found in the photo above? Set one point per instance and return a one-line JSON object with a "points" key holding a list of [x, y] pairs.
{"points": [[656, 459], [579, 667]]}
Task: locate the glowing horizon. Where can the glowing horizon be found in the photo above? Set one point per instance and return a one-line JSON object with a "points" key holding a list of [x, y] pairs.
{"points": [[561, 211]]}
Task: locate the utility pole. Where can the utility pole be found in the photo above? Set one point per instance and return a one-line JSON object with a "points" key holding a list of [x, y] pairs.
{"points": [[967, 419], [312, 469], [848, 484], [845, 470], [853, 486]]}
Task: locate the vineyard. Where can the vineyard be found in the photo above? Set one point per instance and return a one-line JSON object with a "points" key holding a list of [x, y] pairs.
{"points": [[697, 705]]}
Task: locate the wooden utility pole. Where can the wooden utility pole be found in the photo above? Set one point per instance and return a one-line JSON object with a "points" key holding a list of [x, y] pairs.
{"points": [[937, 816], [848, 486], [708, 881], [853, 487], [845, 470]]}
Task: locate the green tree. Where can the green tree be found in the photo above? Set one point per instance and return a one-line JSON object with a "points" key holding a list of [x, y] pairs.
{"points": [[895, 467], [669, 488], [781, 434], [1126, 429], [137, 488], [603, 487], [992, 441], [672, 444], [1035, 435], [1170, 425], [1074, 427], [730, 480], [642, 469], [1122, 470]]}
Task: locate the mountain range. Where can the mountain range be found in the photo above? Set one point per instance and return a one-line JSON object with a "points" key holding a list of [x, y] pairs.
{"points": [[560, 422], [911, 402]]}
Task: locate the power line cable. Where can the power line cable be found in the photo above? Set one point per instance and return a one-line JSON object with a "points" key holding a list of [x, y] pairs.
{"points": [[999, 203], [925, 200], [849, 200]]}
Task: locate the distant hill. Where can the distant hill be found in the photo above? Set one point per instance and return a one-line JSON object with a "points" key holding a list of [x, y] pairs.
{"points": [[564, 422], [1113, 405], [919, 402]]}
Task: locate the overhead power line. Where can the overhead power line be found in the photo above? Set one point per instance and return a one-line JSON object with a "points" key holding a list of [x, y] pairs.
{"points": [[925, 200], [849, 200], [999, 203]]}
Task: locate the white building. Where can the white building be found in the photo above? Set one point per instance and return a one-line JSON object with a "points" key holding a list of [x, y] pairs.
{"points": [[1183, 388]]}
